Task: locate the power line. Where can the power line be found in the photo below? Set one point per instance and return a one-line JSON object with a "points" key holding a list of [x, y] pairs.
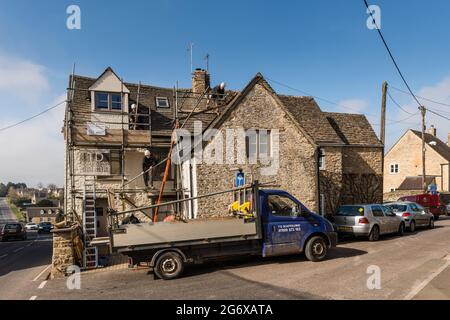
{"points": [[398, 105], [32, 117], [423, 98], [390, 53]]}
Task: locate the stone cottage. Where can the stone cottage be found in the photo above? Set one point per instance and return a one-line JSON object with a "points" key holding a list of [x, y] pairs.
{"points": [[324, 159]]}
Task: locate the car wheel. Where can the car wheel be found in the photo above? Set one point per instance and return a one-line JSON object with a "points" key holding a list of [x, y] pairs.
{"points": [[374, 234], [431, 224], [401, 229], [412, 226], [169, 266], [316, 249]]}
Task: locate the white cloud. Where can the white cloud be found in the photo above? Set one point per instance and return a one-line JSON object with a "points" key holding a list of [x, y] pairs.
{"points": [[34, 151], [353, 105], [22, 79]]}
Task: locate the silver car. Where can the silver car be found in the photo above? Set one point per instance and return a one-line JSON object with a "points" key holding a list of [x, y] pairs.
{"points": [[370, 221], [413, 214]]}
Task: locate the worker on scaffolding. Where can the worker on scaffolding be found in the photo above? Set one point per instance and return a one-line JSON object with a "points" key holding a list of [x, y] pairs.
{"points": [[148, 162]]}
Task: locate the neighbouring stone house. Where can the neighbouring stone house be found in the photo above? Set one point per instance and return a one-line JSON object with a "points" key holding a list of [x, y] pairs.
{"points": [[325, 159], [403, 165], [42, 214]]}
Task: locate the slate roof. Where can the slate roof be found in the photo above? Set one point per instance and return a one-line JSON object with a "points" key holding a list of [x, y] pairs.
{"points": [[322, 127], [415, 183], [440, 147]]}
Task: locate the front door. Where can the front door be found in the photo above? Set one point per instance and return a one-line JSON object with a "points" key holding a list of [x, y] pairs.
{"points": [[285, 225]]}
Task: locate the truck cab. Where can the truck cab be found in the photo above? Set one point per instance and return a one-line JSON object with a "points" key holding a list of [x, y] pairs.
{"points": [[288, 226]]}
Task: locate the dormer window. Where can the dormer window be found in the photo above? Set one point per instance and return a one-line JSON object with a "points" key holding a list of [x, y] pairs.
{"points": [[162, 102], [108, 101]]}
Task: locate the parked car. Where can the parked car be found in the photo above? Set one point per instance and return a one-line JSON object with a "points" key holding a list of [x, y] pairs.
{"points": [[413, 214], [13, 230], [45, 227], [31, 226], [436, 203], [370, 221]]}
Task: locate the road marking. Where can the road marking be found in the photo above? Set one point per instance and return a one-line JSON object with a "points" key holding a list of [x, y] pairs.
{"points": [[3, 256], [42, 285], [42, 272], [33, 298], [430, 278], [17, 250]]}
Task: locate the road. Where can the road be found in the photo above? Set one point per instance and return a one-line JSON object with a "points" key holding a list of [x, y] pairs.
{"points": [[22, 261], [415, 266]]}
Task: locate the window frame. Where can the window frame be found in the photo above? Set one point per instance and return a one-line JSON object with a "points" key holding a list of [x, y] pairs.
{"points": [[257, 145], [321, 159], [280, 215], [110, 101], [394, 168], [162, 98]]}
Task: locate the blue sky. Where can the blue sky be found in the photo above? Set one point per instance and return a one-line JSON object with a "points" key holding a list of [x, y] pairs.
{"points": [[322, 47]]}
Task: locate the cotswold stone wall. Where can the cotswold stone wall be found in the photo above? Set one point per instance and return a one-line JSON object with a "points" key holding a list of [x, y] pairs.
{"points": [[331, 180], [297, 171], [66, 251], [395, 195]]}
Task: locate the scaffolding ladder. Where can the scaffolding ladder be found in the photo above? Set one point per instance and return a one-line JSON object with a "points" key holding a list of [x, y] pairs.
{"points": [[90, 254]]}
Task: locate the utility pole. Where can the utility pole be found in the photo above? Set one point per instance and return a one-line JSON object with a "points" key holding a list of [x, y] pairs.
{"points": [[207, 62], [383, 113], [423, 111]]}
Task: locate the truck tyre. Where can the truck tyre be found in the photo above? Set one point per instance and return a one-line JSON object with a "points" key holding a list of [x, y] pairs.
{"points": [[431, 224], [412, 226], [374, 234], [316, 249], [169, 265]]}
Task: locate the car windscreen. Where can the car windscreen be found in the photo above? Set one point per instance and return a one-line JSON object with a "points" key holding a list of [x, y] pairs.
{"points": [[398, 207], [352, 211], [12, 226]]}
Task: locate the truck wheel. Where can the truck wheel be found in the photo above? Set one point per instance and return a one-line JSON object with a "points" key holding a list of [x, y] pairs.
{"points": [[169, 265], [316, 249], [374, 234]]}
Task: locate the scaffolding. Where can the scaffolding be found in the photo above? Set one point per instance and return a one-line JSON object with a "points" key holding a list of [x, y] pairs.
{"points": [[132, 131]]}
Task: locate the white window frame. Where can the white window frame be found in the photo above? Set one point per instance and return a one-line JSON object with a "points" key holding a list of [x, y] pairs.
{"points": [[269, 142], [162, 98], [394, 168], [322, 163]]}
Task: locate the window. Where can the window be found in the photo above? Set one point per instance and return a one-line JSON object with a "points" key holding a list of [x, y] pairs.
{"points": [[377, 211], [162, 102], [394, 168], [351, 211], [101, 162], [393, 189], [101, 100], [282, 206], [108, 101], [116, 102], [258, 144], [321, 159]]}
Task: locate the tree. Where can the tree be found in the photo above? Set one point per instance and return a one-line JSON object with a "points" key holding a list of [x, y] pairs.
{"points": [[3, 190], [45, 203], [52, 186], [40, 185]]}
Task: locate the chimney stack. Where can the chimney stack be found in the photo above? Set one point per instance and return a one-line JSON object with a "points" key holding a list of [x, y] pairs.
{"points": [[432, 131], [200, 81]]}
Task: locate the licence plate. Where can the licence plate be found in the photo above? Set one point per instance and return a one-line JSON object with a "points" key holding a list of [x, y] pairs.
{"points": [[345, 229]]}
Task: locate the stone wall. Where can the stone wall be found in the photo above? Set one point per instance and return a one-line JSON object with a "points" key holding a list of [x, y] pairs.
{"points": [[67, 248], [395, 195], [297, 171], [331, 179]]}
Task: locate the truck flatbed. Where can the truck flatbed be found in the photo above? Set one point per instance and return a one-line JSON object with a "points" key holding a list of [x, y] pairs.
{"points": [[163, 234]]}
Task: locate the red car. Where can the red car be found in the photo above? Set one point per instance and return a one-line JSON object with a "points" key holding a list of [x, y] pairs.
{"points": [[436, 203]]}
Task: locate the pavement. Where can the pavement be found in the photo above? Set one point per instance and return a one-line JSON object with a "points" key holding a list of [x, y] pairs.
{"points": [[415, 266], [23, 264]]}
